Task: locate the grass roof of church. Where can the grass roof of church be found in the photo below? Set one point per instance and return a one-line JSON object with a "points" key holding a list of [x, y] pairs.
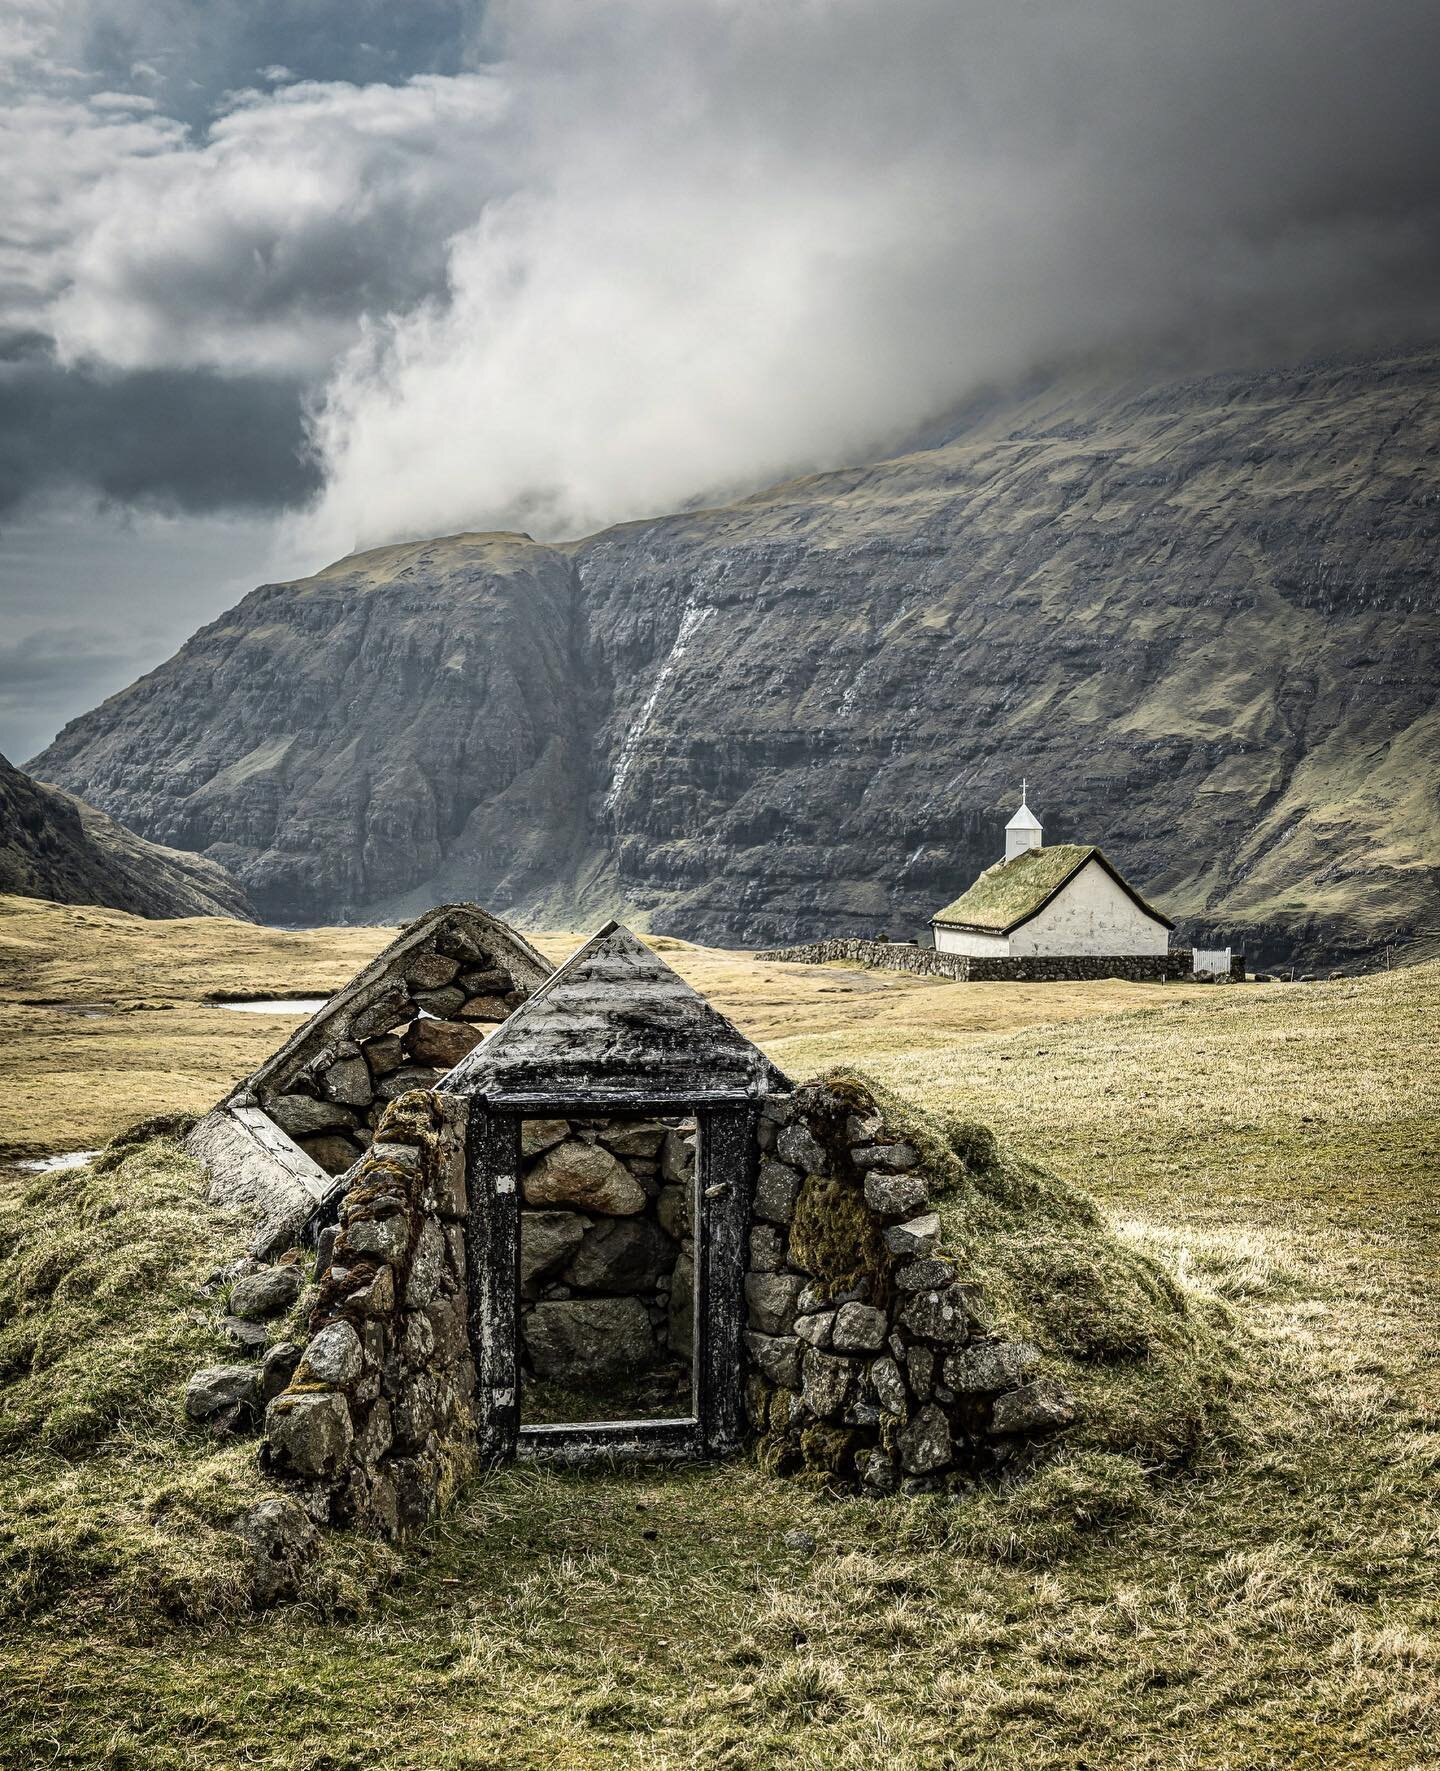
{"points": [[1011, 892]]}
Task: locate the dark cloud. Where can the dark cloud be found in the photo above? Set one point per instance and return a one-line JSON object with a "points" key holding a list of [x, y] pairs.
{"points": [[178, 440]]}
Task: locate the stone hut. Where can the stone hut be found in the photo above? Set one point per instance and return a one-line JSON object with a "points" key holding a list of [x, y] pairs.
{"points": [[278, 1141], [615, 1228]]}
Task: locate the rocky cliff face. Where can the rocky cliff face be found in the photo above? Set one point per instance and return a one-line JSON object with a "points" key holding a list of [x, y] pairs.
{"points": [[53, 845], [1199, 616]]}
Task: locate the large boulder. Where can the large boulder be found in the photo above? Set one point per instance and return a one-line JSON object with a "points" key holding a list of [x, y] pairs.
{"points": [[547, 1241], [622, 1254], [586, 1176], [589, 1338]]}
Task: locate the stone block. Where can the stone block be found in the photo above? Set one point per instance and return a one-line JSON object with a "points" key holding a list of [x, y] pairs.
{"points": [[388, 1239], [402, 1081], [894, 1196], [538, 1135], [218, 1389], [920, 1371], [859, 1329], [923, 1275], [622, 1254], [936, 1316], [481, 1008], [1036, 1408], [270, 1292], [348, 1081], [279, 1538], [674, 1209], [677, 1157], [776, 1356], [990, 1367], [599, 1338], [440, 1044], [302, 1116], [641, 1138], [771, 1299], [547, 1241], [776, 1190], [826, 1382], [383, 1055], [335, 1154], [797, 1145], [816, 1330], [893, 1158], [442, 1003], [431, 971], [277, 1368], [889, 1386], [916, 1237], [586, 1176], [767, 1249], [682, 1308], [423, 1283], [390, 1009], [310, 1435], [334, 1355], [924, 1444]]}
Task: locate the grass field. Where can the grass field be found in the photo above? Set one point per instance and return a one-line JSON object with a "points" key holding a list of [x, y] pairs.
{"points": [[1274, 1605]]}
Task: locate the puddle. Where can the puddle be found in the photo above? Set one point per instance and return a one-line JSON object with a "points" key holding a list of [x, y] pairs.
{"points": [[276, 1005], [44, 1165]]}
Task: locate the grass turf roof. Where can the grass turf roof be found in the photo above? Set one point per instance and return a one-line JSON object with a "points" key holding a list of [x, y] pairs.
{"points": [[1012, 892]]}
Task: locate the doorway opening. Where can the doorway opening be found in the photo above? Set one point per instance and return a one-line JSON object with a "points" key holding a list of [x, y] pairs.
{"points": [[605, 1297]]}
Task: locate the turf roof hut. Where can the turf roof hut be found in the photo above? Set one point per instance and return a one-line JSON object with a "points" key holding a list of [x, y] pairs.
{"points": [[1065, 901], [612, 1039], [278, 1141]]}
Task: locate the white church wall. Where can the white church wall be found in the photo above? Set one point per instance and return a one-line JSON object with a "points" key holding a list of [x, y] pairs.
{"points": [[1091, 916], [976, 945]]}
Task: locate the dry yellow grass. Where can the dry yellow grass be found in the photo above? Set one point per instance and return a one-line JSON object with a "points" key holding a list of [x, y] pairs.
{"points": [[105, 1018], [1276, 1607]]}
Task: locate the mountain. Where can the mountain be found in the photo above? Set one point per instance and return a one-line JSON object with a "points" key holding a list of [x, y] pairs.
{"points": [[1199, 615], [53, 845]]}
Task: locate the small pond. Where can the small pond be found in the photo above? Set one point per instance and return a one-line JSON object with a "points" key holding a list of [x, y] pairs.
{"points": [[277, 1005], [44, 1165]]}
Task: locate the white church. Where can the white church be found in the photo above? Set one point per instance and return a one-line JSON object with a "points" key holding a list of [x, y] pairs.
{"points": [[1065, 901]]}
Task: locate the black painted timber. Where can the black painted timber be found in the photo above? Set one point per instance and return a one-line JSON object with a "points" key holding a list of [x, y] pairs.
{"points": [[493, 1255]]}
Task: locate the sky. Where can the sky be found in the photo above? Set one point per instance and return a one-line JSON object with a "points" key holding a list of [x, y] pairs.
{"points": [[283, 280]]}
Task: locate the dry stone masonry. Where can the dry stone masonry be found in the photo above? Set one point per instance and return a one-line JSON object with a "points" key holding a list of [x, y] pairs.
{"points": [[308, 1115], [869, 1362], [965, 968], [377, 1423]]}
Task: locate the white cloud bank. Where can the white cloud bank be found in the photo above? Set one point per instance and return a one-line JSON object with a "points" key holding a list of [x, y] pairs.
{"points": [[666, 249]]}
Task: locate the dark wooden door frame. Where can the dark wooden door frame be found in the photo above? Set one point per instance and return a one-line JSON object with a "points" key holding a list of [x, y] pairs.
{"points": [[726, 1150]]}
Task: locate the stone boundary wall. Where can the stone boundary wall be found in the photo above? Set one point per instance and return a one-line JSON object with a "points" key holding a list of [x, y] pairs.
{"points": [[868, 1361], [964, 968], [377, 1425]]}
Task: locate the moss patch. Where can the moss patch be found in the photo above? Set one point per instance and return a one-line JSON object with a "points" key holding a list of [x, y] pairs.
{"points": [[833, 1236]]}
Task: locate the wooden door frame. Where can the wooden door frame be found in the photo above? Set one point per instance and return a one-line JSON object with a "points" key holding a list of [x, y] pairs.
{"points": [[726, 1158]]}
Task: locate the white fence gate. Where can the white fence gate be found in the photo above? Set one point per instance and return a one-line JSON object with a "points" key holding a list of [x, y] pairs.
{"points": [[1212, 962]]}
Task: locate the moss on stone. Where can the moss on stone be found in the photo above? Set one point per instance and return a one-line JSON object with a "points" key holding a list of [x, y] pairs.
{"points": [[834, 1236], [827, 1449]]}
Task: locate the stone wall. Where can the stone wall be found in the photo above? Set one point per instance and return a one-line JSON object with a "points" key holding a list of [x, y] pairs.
{"points": [[377, 1424], [607, 1264], [441, 1002], [869, 1362], [965, 968]]}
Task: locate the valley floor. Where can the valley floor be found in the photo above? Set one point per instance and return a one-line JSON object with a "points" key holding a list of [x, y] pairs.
{"points": [[1275, 1606]]}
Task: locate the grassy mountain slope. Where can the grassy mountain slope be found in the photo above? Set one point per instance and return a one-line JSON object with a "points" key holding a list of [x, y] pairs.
{"points": [[53, 845]]}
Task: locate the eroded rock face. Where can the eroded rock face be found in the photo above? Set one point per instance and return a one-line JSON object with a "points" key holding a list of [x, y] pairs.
{"points": [[53, 845], [839, 633]]}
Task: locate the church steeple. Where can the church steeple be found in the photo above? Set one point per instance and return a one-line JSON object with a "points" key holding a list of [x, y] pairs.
{"points": [[1024, 829]]}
